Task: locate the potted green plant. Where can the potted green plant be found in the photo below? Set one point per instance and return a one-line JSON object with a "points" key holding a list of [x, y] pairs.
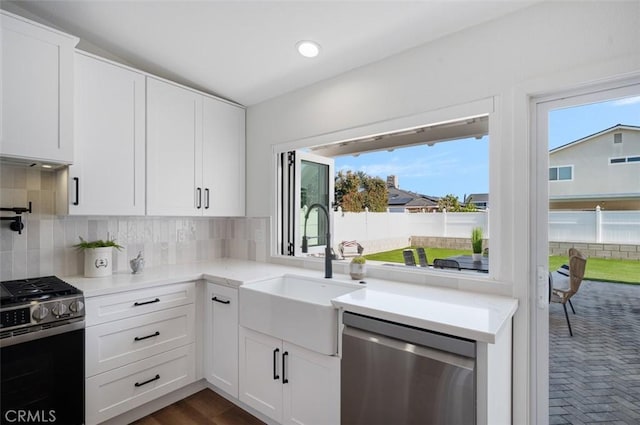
{"points": [[476, 243], [98, 256], [358, 267]]}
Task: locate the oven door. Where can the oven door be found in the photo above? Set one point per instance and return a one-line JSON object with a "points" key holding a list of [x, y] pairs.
{"points": [[43, 378]]}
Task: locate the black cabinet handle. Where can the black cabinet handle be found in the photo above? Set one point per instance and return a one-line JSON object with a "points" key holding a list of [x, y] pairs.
{"points": [[137, 304], [206, 198], [77, 180], [199, 195], [139, 384], [140, 338], [284, 367], [275, 364], [216, 299]]}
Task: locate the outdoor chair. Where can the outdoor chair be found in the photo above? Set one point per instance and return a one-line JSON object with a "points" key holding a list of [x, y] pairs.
{"points": [[409, 259], [422, 257], [564, 284], [442, 263]]}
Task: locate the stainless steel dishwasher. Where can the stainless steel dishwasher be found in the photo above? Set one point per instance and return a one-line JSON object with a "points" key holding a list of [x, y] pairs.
{"points": [[393, 374]]}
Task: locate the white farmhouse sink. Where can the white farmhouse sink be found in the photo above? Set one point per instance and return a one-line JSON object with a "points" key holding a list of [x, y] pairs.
{"points": [[296, 309]]}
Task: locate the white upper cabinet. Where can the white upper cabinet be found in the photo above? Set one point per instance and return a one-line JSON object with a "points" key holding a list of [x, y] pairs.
{"points": [[108, 176], [37, 91], [195, 153], [174, 150], [223, 158]]}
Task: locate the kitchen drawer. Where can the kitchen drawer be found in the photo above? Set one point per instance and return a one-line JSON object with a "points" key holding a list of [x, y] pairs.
{"points": [[134, 303], [119, 390], [114, 344]]}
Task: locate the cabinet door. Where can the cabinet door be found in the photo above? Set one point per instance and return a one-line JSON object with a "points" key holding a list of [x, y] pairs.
{"points": [[108, 175], [223, 158], [37, 91], [311, 387], [260, 373], [221, 340], [174, 145]]}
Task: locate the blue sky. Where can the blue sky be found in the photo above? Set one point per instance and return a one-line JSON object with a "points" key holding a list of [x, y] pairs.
{"points": [[461, 167]]}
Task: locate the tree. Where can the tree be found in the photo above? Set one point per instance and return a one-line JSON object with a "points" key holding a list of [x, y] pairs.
{"points": [[451, 204], [356, 191]]}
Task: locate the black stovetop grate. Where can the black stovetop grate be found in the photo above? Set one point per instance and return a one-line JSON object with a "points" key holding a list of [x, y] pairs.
{"points": [[40, 288]]}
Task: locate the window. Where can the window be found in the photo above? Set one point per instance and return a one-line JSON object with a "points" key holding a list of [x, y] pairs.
{"points": [[561, 173], [430, 162], [624, 159], [617, 137]]}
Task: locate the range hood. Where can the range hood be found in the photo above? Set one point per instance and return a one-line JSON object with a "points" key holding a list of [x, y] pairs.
{"points": [[31, 163]]}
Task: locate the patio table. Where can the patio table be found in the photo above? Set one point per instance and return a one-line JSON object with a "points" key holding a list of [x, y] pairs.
{"points": [[466, 263]]}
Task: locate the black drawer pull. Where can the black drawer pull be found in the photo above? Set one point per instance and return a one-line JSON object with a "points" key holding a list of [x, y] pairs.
{"points": [[216, 299], [284, 367], [140, 338], [77, 201], [275, 364], [199, 200], [137, 304], [206, 198], [139, 384]]}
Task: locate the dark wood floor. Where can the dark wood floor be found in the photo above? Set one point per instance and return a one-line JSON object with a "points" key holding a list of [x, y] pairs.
{"points": [[202, 408]]}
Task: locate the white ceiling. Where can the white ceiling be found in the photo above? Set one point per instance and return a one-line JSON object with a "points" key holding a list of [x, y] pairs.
{"points": [[245, 50]]}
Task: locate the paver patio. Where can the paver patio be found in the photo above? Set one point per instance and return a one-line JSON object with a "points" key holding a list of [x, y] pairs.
{"points": [[594, 376]]}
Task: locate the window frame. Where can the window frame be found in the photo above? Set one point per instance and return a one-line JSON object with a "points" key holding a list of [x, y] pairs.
{"points": [[558, 167], [629, 159], [488, 107]]}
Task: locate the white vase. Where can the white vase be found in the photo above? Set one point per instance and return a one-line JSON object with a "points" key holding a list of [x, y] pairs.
{"points": [[476, 256], [357, 270], [97, 262]]}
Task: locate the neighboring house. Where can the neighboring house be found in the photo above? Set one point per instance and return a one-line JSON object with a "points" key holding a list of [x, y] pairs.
{"points": [[480, 200], [602, 169], [406, 201]]}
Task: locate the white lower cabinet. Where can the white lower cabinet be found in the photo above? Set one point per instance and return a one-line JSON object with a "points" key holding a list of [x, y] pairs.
{"points": [[288, 383], [221, 337], [139, 345], [119, 390]]}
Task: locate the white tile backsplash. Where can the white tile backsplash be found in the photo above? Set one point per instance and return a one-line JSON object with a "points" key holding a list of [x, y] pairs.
{"points": [[45, 247]]}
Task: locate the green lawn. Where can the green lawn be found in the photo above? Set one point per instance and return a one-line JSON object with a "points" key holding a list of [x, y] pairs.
{"points": [[608, 270]]}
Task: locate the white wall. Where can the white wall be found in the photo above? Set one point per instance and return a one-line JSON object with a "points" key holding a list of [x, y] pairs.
{"points": [[549, 47]]}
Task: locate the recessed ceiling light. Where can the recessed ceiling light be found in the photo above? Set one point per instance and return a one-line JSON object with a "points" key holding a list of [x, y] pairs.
{"points": [[308, 49], [47, 166]]}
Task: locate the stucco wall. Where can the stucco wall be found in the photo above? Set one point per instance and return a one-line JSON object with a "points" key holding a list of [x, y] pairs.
{"points": [[592, 172]]}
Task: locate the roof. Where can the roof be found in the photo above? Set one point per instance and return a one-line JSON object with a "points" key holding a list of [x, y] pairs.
{"points": [[594, 135], [476, 197], [399, 197]]}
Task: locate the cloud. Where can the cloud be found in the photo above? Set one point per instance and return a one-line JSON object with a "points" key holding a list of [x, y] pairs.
{"points": [[627, 101]]}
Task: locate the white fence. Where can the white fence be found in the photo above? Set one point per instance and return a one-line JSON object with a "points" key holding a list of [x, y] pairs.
{"points": [[616, 227]]}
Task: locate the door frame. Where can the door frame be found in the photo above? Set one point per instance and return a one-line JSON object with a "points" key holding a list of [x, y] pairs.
{"points": [[540, 106]]}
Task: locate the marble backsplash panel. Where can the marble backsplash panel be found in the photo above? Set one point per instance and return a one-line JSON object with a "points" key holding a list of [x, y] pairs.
{"points": [[45, 246]]}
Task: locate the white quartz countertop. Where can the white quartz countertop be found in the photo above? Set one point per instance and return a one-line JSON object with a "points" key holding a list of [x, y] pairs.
{"points": [[225, 271], [479, 317], [471, 315]]}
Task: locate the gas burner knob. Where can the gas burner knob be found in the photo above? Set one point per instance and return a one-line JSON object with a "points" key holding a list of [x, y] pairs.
{"points": [[76, 306], [40, 313], [59, 309]]}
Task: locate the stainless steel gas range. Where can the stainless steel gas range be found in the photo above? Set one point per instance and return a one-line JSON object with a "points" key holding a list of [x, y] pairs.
{"points": [[41, 352]]}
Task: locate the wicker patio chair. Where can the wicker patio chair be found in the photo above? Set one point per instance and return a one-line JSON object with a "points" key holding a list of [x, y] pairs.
{"points": [[564, 287]]}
